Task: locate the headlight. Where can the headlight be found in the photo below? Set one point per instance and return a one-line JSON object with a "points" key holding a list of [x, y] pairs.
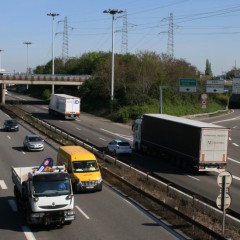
{"points": [[70, 213], [99, 180], [69, 197]]}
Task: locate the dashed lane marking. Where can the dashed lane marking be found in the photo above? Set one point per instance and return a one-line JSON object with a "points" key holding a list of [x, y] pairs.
{"points": [[82, 212], [29, 235], [3, 185]]}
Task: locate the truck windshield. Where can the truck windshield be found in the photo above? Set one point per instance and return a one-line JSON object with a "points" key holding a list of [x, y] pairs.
{"points": [[51, 188], [85, 166]]}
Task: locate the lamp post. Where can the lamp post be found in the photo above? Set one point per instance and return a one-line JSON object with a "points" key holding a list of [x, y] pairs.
{"points": [[27, 43], [1, 59], [53, 15], [112, 12]]}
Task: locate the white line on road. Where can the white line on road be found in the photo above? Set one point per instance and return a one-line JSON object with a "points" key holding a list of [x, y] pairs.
{"points": [[9, 137], [193, 177], [82, 212], [103, 139], [3, 185], [119, 135], [233, 160], [235, 144], [78, 129], [13, 205], [29, 235]]}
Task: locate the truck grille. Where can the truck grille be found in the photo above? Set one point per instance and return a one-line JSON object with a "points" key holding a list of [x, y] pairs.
{"points": [[53, 206]]}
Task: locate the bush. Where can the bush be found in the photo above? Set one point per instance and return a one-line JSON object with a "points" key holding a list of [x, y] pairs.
{"points": [[46, 95]]}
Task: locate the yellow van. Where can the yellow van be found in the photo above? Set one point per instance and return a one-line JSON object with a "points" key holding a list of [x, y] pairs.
{"points": [[82, 166]]}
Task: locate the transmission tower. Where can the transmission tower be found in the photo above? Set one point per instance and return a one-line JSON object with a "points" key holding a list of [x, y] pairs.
{"points": [[170, 46], [65, 41], [124, 47]]}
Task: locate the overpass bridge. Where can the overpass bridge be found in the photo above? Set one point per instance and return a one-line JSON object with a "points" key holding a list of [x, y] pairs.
{"points": [[75, 80]]}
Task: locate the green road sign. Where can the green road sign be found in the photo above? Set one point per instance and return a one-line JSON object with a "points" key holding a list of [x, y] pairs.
{"points": [[187, 85]]}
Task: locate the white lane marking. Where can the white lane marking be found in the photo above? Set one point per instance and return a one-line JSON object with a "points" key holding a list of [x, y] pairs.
{"points": [[227, 120], [235, 144], [233, 160], [29, 235], [119, 135], [82, 212], [230, 139], [103, 139], [9, 137], [193, 177], [13, 205], [78, 129], [3, 185], [235, 127], [237, 178]]}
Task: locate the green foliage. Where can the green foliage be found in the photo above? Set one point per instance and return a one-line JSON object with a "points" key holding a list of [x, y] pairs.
{"points": [[137, 79], [208, 69], [46, 95]]}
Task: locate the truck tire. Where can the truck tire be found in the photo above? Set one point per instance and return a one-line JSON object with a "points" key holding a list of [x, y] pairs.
{"points": [[136, 147], [68, 222], [75, 188]]}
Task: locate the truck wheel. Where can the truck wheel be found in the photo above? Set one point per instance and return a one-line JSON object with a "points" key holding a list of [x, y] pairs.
{"points": [[75, 189], [136, 147], [68, 222]]}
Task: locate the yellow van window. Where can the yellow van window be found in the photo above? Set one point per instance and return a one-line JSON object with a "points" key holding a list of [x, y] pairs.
{"points": [[85, 166]]}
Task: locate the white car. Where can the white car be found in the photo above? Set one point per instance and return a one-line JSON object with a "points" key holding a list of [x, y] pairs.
{"points": [[119, 146]]}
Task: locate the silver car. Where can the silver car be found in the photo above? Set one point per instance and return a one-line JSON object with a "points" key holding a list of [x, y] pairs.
{"points": [[33, 143]]}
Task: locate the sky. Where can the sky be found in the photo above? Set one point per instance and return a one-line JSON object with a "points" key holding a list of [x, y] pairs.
{"points": [[195, 30]]}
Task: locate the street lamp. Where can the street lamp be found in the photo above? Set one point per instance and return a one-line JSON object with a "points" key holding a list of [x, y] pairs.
{"points": [[27, 43], [113, 12], [53, 15], [1, 60]]}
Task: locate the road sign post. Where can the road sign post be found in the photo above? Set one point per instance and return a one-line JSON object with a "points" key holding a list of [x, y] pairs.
{"points": [[224, 180]]}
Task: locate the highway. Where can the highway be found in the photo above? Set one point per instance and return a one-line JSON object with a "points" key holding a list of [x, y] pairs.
{"points": [[100, 131], [101, 215]]}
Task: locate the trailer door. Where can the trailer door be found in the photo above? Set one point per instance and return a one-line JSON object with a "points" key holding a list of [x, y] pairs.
{"points": [[214, 143]]}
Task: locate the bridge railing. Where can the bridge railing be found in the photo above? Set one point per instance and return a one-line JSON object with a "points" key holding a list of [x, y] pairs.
{"points": [[45, 77]]}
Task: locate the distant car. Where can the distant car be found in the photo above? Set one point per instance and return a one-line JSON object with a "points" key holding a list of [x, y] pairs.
{"points": [[11, 125], [33, 143], [119, 146]]}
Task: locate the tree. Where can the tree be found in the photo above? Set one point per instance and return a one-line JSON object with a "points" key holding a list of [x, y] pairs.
{"points": [[208, 69]]}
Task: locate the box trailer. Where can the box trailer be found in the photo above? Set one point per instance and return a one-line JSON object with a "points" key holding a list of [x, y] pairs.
{"points": [[190, 143], [64, 105]]}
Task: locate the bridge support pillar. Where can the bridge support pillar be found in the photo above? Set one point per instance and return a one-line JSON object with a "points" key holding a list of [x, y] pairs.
{"points": [[2, 93]]}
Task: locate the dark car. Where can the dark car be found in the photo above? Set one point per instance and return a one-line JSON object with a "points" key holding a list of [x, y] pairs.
{"points": [[11, 125]]}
